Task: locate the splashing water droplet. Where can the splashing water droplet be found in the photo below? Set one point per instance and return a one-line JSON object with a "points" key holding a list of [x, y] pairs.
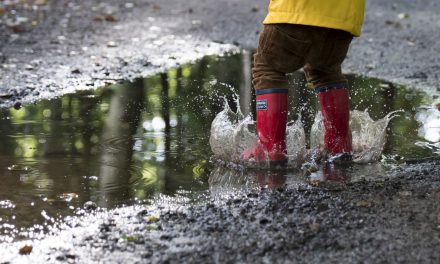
{"points": [[296, 143], [231, 134], [368, 136]]}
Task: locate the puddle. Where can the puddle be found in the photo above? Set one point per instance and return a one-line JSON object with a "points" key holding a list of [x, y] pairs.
{"points": [[128, 143]]}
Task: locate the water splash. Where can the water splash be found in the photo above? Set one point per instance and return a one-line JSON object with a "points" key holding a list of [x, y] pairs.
{"points": [[232, 133], [296, 143], [369, 136]]}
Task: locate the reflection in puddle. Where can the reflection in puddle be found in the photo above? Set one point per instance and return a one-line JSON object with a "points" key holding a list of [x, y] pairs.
{"points": [[227, 182], [127, 143]]}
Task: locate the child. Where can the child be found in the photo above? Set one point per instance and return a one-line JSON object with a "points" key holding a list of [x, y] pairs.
{"points": [[315, 35]]}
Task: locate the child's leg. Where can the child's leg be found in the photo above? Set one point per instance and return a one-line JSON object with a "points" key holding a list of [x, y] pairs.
{"points": [[278, 53], [282, 49], [323, 70]]}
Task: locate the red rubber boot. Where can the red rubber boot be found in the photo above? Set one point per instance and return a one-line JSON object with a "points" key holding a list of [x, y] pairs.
{"points": [[271, 127], [333, 99]]}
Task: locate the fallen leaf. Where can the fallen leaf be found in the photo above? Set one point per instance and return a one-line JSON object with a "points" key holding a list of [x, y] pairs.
{"points": [[153, 219], [17, 28], [110, 18], [25, 250], [130, 238]]}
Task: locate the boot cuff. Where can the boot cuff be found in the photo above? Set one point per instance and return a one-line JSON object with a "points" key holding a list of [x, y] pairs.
{"points": [[331, 86], [271, 91]]}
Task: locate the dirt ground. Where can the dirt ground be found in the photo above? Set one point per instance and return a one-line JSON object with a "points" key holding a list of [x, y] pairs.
{"points": [[64, 46]]}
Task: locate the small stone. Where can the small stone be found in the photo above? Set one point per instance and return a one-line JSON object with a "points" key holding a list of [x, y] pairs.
{"points": [[321, 207], [5, 96], [364, 203], [315, 226], [166, 237], [143, 212], [405, 193], [384, 85], [89, 205], [313, 169], [29, 67], [403, 15], [264, 221], [40, 2], [418, 75], [17, 105], [129, 5], [70, 256], [370, 66], [111, 44]]}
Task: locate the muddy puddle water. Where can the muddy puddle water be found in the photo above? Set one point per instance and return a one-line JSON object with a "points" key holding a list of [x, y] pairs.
{"points": [[128, 143]]}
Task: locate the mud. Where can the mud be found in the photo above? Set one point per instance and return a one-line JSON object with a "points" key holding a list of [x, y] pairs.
{"points": [[394, 220], [391, 220]]}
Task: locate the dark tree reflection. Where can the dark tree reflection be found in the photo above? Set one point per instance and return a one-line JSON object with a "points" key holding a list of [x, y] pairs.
{"points": [[122, 121]]}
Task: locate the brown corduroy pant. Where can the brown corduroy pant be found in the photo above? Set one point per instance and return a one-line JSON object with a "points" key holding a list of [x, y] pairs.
{"points": [[285, 48]]}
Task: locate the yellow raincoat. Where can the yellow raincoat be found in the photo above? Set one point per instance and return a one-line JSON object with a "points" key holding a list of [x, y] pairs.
{"points": [[346, 15]]}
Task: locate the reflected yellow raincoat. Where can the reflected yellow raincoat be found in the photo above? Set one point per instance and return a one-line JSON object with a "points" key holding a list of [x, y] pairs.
{"points": [[347, 15]]}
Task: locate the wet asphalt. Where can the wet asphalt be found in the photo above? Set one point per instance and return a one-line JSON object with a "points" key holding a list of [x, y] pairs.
{"points": [[81, 45]]}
